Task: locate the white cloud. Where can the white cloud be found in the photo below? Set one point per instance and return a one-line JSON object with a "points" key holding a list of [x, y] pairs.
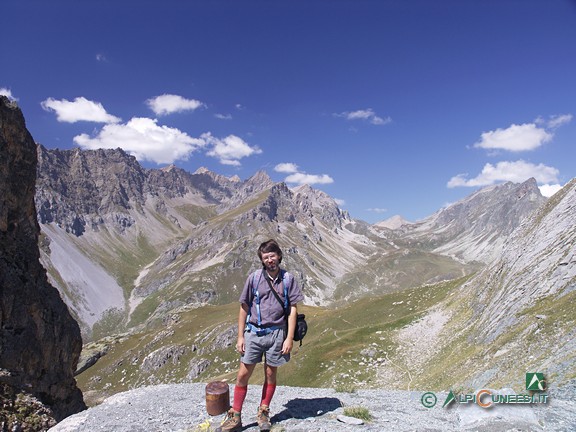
{"points": [[229, 150], [518, 171], [368, 114], [143, 138], [549, 189], [287, 168], [81, 109], [8, 93], [101, 57], [558, 120], [377, 210], [169, 103], [223, 116], [299, 177], [515, 138], [310, 179]]}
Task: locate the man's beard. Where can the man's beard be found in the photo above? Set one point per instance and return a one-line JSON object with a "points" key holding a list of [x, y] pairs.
{"points": [[271, 267]]}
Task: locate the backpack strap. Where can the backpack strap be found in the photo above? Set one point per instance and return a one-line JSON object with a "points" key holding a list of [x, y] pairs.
{"points": [[285, 303], [286, 299], [255, 295]]}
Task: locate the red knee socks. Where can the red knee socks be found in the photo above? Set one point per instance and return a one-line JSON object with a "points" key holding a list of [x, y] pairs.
{"points": [[239, 396], [267, 393]]}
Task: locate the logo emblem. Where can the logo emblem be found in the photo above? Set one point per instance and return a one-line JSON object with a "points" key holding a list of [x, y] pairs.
{"points": [[449, 399], [535, 381]]}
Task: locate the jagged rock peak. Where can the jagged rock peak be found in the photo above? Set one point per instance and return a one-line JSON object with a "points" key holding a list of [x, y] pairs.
{"points": [[303, 188], [219, 178], [315, 196], [77, 187], [279, 200], [393, 222], [103, 153], [319, 204], [168, 168], [202, 170], [476, 227], [528, 189], [494, 197], [261, 177], [99, 156], [254, 185]]}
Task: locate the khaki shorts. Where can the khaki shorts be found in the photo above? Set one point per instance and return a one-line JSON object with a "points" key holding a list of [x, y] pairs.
{"points": [[269, 345]]}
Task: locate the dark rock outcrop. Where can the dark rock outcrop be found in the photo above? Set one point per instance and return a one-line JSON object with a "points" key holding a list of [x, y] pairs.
{"points": [[40, 342]]}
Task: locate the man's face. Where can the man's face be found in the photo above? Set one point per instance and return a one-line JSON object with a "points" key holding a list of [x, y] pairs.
{"points": [[270, 261]]}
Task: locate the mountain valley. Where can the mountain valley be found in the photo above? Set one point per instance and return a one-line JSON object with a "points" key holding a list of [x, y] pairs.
{"points": [[151, 261]]}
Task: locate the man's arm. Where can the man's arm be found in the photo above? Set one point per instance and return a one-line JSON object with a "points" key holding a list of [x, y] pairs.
{"points": [[289, 341], [242, 315]]}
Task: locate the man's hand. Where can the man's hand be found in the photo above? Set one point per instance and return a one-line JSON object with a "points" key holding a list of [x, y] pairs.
{"points": [[287, 346], [240, 346]]}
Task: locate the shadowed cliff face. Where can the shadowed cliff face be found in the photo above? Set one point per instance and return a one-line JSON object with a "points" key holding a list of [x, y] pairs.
{"points": [[40, 342]]}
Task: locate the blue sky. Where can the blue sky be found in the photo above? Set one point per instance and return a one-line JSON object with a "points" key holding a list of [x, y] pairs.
{"points": [[389, 106]]}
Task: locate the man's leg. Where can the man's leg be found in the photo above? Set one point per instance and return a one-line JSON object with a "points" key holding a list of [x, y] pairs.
{"points": [[233, 421], [268, 390], [269, 386], [241, 388]]}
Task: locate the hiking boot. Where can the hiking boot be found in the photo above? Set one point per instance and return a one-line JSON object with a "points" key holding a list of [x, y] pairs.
{"points": [[264, 418], [232, 422]]}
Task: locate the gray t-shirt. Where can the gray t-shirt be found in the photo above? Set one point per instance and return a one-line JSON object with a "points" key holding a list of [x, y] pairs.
{"points": [[271, 311]]}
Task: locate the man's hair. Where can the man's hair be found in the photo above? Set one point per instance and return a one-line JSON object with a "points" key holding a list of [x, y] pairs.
{"points": [[270, 246]]}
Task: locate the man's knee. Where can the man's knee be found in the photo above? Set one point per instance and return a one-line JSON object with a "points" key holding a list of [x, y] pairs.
{"points": [[244, 373], [270, 372]]}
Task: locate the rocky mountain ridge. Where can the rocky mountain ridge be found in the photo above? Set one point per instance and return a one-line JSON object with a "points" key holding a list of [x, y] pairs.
{"points": [[544, 244], [474, 332], [164, 238], [477, 227]]}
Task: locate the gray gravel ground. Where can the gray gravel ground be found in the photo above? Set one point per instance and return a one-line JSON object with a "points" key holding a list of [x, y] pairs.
{"points": [[182, 407]]}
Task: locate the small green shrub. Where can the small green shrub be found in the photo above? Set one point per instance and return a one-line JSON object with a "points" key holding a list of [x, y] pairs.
{"points": [[358, 412], [345, 388]]}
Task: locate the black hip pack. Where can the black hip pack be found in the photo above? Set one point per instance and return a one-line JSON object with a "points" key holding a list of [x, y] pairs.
{"points": [[301, 328]]}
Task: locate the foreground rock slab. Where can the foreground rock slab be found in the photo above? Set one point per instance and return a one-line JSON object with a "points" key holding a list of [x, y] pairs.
{"points": [[182, 407]]}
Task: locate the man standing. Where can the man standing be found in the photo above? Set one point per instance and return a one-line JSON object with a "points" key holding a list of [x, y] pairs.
{"points": [[262, 331]]}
